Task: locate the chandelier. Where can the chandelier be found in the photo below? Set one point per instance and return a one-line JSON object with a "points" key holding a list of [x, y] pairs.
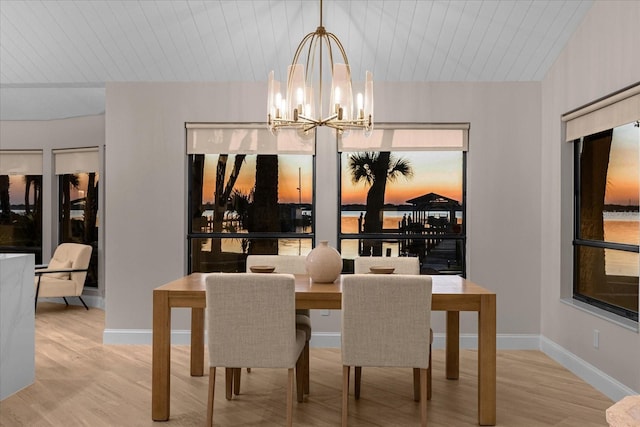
{"points": [[304, 104]]}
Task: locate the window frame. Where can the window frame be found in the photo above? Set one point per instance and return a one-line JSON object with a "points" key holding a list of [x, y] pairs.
{"points": [[579, 242], [462, 236], [191, 236]]}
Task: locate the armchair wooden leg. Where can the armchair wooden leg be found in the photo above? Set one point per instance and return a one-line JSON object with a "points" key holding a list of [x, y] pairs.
{"points": [[345, 395], [228, 383], [290, 399], [416, 384], [358, 378], [236, 380], [212, 389]]}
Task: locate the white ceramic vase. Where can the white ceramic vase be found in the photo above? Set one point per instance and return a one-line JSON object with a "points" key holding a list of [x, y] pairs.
{"points": [[323, 263]]}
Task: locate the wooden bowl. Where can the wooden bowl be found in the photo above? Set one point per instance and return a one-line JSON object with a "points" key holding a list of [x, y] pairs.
{"points": [[381, 270], [262, 269]]}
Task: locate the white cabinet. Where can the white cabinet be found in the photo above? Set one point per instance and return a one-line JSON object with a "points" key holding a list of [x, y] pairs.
{"points": [[17, 323]]}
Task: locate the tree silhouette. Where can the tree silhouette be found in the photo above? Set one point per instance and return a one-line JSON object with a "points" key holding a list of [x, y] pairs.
{"points": [[30, 180], [5, 205], [91, 209], [594, 163], [265, 216], [68, 181], [375, 169]]}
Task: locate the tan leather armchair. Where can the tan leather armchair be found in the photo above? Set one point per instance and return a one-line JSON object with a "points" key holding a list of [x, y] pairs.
{"points": [[65, 274]]}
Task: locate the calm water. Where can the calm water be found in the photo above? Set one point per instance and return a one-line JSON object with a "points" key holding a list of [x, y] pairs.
{"points": [[620, 227]]}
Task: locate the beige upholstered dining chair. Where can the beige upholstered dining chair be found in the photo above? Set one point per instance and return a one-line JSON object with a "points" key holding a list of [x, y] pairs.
{"points": [[402, 265], [385, 323], [65, 274], [251, 322], [290, 264]]}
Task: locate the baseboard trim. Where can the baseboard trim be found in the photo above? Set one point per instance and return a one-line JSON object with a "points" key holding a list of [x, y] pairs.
{"points": [[467, 341], [602, 382]]}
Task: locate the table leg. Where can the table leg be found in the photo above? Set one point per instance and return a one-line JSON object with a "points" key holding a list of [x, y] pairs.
{"points": [[487, 361], [197, 342], [161, 357], [453, 345]]}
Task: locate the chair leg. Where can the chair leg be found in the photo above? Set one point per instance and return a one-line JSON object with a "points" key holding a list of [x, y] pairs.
{"points": [[358, 378], [300, 378], [423, 397], [228, 383], [65, 301], [416, 384], [236, 380], [306, 368], [83, 303], [290, 398], [345, 395], [210, 400], [37, 292], [429, 376]]}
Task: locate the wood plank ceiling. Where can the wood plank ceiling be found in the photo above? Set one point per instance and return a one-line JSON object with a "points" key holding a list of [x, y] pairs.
{"points": [[55, 56]]}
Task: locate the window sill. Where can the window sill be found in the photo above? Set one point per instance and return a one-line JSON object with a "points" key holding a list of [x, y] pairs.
{"points": [[602, 314]]}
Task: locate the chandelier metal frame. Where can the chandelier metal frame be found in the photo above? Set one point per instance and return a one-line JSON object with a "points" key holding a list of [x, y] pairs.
{"points": [[299, 109]]}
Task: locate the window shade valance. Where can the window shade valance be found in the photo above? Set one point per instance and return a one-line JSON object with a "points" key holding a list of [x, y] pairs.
{"points": [[446, 137], [616, 110], [210, 138], [77, 160], [20, 162]]}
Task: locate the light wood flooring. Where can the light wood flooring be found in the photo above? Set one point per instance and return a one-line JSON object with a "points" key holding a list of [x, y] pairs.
{"points": [[80, 382]]}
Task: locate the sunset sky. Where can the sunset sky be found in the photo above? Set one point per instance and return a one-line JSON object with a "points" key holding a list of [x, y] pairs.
{"points": [[17, 187], [623, 175], [435, 171], [287, 173]]}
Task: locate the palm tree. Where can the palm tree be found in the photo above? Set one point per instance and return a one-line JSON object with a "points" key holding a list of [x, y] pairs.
{"points": [[375, 169], [265, 212], [222, 194], [68, 181], [91, 209], [5, 204]]}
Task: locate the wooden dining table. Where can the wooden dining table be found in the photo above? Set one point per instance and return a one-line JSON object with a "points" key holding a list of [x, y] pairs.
{"points": [[452, 294]]}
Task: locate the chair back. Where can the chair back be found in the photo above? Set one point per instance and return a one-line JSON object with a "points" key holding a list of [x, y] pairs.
{"points": [[79, 257], [290, 264], [403, 265], [251, 320], [386, 320]]}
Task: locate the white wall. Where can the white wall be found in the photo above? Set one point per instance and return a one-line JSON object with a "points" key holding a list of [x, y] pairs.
{"points": [[146, 185], [601, 57]]}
